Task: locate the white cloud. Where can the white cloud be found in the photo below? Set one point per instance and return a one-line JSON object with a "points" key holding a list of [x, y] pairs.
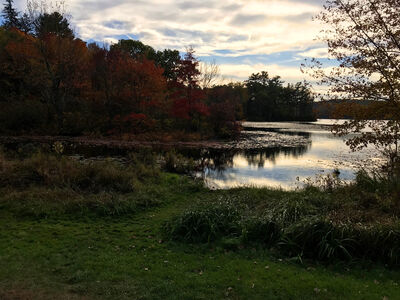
{"points": [[270, 25], [235, 72], [316, 53], [244, 27], [242, 71]]}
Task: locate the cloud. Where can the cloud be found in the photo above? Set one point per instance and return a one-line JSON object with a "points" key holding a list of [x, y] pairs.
{"points": [[316, 53], [242, 71], [289, 74], [241, 19], [258, 29]]}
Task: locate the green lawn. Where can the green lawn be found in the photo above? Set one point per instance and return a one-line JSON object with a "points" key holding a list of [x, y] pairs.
{"points": [[67, 256]]}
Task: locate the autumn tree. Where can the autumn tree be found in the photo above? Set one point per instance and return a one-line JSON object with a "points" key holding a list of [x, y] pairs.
{"points": [[186, 92], [233, 94], [132, 90], [16, 64], [62, 62], [167, 59], [226, 104], [364, 37]]}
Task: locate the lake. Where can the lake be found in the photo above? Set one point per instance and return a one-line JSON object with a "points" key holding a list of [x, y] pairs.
{"points": [[284, 155], [279, 154]]}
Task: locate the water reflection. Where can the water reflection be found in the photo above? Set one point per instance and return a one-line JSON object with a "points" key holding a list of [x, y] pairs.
{"points": [[220, 160], [259, 158], [285, 167]]}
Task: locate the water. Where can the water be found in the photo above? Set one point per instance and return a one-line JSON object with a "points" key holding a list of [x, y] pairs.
{"points": [[280, 154], [286, 155]]}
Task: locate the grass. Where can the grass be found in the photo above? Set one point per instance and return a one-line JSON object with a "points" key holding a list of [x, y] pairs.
{"points": [[107, 258], [311, 224], [65, 241]]}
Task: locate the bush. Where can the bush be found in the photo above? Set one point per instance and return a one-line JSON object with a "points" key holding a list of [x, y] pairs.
{"points": [[373, 191], [318, 239], [260, 230], [75, 123], [205, 223]]}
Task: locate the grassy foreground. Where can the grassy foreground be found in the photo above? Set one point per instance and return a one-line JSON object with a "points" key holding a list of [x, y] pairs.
{"points": [[67, 238]]}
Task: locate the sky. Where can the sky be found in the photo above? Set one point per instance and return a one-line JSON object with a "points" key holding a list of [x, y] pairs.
{"points": [[242, 36]]}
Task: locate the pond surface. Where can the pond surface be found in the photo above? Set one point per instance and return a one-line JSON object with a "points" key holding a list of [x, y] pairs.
{"points": [[286, 155]]}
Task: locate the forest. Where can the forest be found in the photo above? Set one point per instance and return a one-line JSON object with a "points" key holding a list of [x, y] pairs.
{"points": [[53, 83]]}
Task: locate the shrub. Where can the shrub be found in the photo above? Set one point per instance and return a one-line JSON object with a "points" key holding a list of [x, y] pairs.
{"points": [[262, 230], [378, 189], [205, 223], [317, 239]]}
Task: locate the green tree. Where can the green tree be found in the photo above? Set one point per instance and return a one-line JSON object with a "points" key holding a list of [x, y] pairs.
{"points": [[169, 60], [54, 23], [135, 49], [270, 100], [299, 102], [264, 93], [10, 15], [25, 24]]}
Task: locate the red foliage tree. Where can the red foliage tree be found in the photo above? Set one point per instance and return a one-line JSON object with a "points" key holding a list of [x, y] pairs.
{"points": [[188, 97], [128, 87]]}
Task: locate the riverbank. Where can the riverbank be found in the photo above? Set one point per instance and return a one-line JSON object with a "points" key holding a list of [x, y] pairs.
{"points": [[249, 138], [246, 141], [76, 230]]}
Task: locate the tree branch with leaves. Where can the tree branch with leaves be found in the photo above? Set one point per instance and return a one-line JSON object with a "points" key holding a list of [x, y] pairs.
{"points": [[363, 36]]}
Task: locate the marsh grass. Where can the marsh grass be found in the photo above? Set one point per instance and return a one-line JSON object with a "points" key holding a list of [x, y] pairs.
{"points": [[65, 172], [45, 185], [312, 223]]}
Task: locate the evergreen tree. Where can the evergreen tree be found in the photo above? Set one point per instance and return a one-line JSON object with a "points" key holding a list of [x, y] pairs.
{"points": [[10, 15], [25, 23], [54, 23]]}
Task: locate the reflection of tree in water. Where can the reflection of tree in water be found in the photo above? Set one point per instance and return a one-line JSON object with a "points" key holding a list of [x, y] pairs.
{"points": [[258, 158], [219, 160]]}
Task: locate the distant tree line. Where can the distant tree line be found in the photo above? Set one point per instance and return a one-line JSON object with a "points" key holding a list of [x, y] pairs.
{"points": [[51, 82], [350, 109], [270, 100]]}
